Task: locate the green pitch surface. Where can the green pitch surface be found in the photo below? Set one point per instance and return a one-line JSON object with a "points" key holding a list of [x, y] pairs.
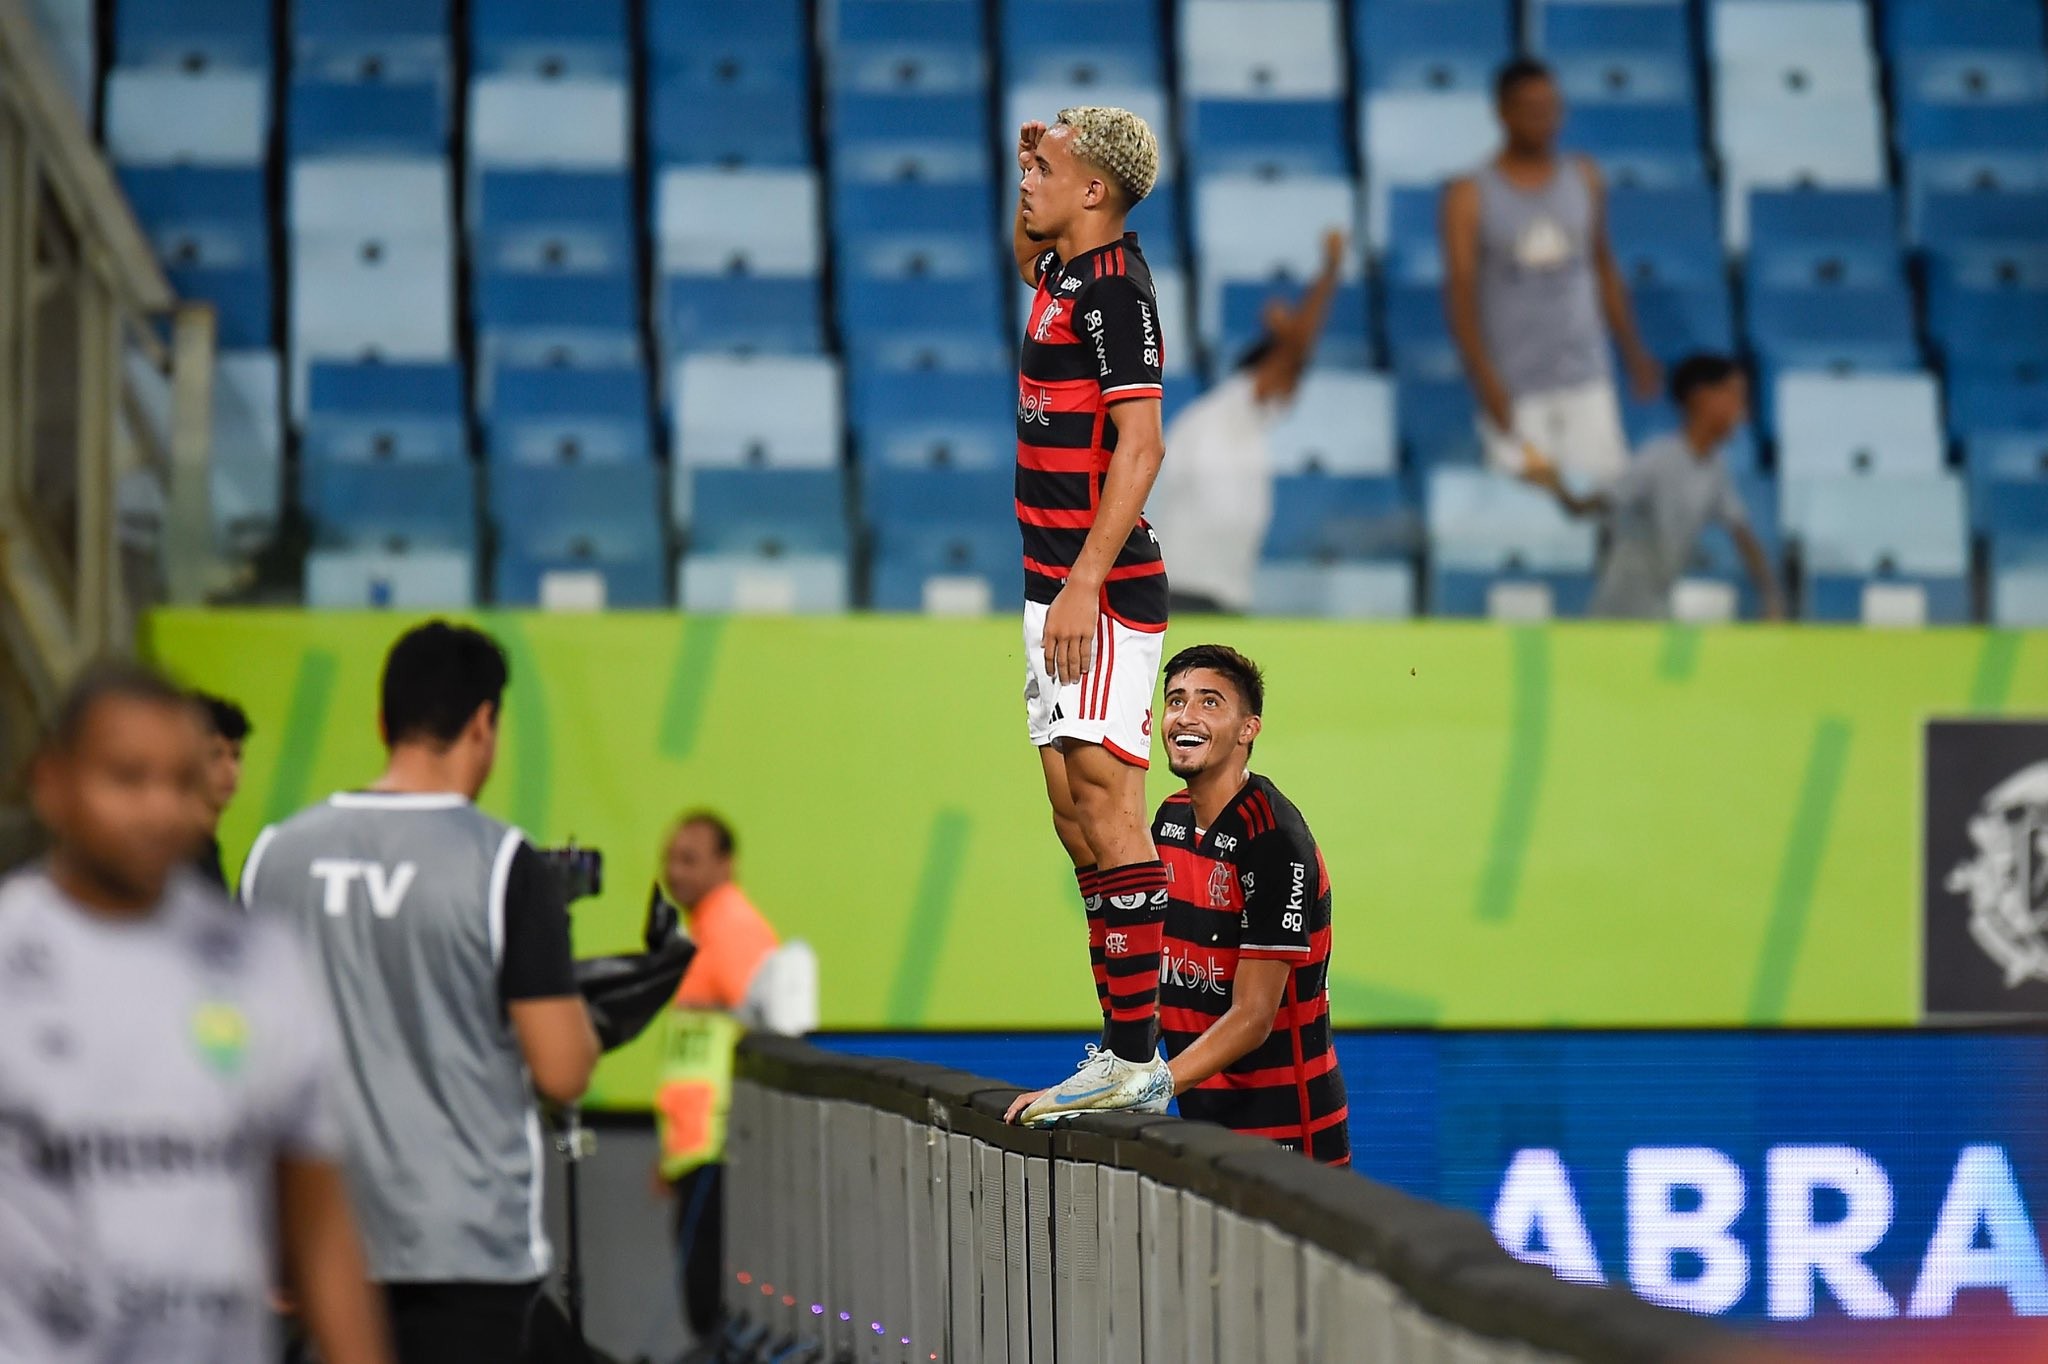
{"points": [[1572, 825]]}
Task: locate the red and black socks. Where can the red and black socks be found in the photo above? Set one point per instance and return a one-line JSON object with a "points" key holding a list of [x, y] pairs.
{"points": [[1091, 900], [1134, 930]]}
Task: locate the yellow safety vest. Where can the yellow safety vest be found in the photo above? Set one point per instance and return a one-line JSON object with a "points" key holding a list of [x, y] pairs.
{"points": [[694, 1091]]}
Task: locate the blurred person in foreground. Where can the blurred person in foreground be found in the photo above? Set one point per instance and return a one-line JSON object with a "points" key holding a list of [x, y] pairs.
{"points": [[1244, 998], [1215, 490], [1671, 491], [694, 1093], [227, 727], [1533, 294], [443, 942], [169, 1132]]}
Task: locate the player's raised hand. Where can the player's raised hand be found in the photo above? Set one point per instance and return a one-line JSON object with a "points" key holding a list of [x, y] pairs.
{"points": [[1333, 251], [1070, 634], [1027, 143]]}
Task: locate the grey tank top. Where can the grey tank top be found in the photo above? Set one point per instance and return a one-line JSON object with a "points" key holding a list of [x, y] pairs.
{"points": [[1539, 302], [402, 900]]}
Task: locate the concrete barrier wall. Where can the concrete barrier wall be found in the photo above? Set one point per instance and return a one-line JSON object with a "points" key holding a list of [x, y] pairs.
{"points": [[881, 1212]]}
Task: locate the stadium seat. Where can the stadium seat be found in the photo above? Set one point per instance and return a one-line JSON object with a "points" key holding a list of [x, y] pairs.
{"points": [[1324, 519], [2014, 509], [391, 507], [788, 584], [1843, 238], [215, 117], [769, 513], [409, 413], [245, 470], [920, 46], [1430, 45], [947, 419], [944, 539], [741, 313], [1879, 424], [912, 211], [912, 136], [1787, 83], [1955, 223], [1936, 128], [537, 222], [210, 229], [695, 125], [1418, 334], [1986, 330], [1676, 320], [2019, 585], [2003, 429], [545, 38], [366, 118], [1346, 342], [373, 298], [193, 35], [1610, 52], [746, 222], [1669, 235], [1336, 591], [1970, 77], [924, 323], [1483, 522], [1413, 252], [1437, 422], [588, 521], [1835, 329], [1082, 42], [1247, 228], [1768, 29], [1934, 25], [1269, 138], [1653, 146], [761, 45], [1909, 535], [584, 321], [532, 123], [1261, 49], [369, 196], [780, 412], [568, 415], [425, 579], [1339, 424], [1836, 142], [396, 40], [1420, 139]]}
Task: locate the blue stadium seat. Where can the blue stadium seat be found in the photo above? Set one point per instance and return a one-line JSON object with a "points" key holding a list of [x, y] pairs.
{"points": [[1414, 246], [1368, 590], [1970, 77], [1923, 128], [744, 313], [1410, 138], [201, 216], [2016, 510], [909, 137], [1248, 228], [366, 118], [1486, 522], [906, 249], [2003, 429], [1909, 532], [2019, 583], [1930, 25], [1418, 336], [398, 40], [160, 117], [1325, 518], [358, 298], [193, 34], [1839, 238], [785, 584], [597, 518], [924, 323], [1675, 320], [1082, 42], [368, 198], [751, 222], [568, 415], [1260, 49], [548, 38], [1346, 342], [1667, 236], [937, 418], [1338, 423], [1834, 329], [1841, 426], [408, 413], [762, 44], [1437, 420], [390, 506], [1269, 137], [921, 46], [772, 411], [1985, 330], [1569, 28], [577, 320], [1439, 45], [914, 209], [1648, 145], [533, 123], [691, 124], [1770, 29], [769, 513], [941, 523], [1509, 594], [1952, 222], [539, 222]]}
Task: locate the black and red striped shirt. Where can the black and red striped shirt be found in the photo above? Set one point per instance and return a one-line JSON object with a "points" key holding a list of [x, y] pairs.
{"points": [[1253, 888], [1091, 341]]}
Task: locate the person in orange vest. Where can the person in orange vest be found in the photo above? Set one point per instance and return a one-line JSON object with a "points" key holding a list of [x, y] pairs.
{"points": [[695, 1087]]}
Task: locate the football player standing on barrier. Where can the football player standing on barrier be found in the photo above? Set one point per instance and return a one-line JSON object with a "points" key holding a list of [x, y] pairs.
{"points": [[443, 942], [168, 1124], [1244, 1007]]}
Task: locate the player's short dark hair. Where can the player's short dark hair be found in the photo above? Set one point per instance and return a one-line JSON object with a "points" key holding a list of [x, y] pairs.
{"points": [[1240, 671], [1517, 73], [1703, 369], [721, 832], [103, 682], [228, 720], [435, 677]]}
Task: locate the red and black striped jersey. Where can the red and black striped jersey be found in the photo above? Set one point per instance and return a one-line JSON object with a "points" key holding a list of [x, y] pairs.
{"points": [[1092, 340], [1253, 888]]}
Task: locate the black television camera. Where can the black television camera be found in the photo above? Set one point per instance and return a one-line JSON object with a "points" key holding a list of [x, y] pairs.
{"points": [[580, 871]]}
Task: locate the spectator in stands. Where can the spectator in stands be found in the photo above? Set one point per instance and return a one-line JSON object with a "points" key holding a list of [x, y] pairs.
{"points": [[695, 1088], [1660, 503], [1215, 490], [1533, 293], [227, 729]]}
